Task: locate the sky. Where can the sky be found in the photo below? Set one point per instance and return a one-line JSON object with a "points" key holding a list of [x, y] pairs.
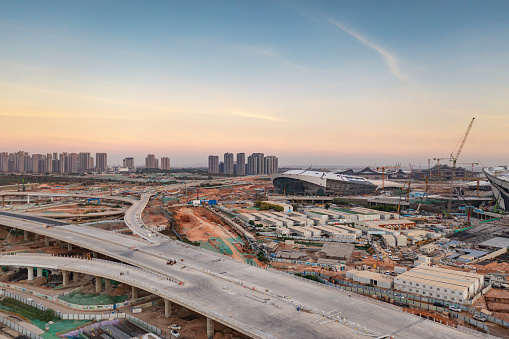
{"points": [[338, 83]]}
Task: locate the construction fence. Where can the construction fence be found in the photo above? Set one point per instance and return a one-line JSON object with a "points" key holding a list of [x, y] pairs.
{"points": [[57, 299], [18, 328], [82, 316]]}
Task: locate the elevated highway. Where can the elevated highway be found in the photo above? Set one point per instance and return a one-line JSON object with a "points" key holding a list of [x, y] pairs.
{"points": [[238, 293]]}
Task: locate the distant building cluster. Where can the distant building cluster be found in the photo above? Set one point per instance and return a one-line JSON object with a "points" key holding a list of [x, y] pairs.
{"points": [[23, 162], [257, 163]]}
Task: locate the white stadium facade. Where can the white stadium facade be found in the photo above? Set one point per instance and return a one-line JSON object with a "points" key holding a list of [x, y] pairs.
{"points": [[300, 182], [499, 181]]}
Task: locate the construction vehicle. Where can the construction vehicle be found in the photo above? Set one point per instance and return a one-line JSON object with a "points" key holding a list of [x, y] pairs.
{"points": [[171, 262]]}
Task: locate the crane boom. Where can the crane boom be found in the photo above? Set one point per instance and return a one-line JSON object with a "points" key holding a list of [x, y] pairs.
{"points": [[462, 143]]}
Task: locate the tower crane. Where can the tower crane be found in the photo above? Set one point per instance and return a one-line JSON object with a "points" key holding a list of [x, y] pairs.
{"points": [[383, 168], [454, 158]]}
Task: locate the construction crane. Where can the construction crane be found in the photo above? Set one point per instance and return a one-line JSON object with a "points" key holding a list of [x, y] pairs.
{"points": [[454, 158], [383, 168]]}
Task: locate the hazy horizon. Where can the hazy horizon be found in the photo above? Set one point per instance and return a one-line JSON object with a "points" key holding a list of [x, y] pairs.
{"points": [[322, 83]]}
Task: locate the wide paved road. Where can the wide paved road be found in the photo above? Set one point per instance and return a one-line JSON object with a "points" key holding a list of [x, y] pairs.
{"points": [[225, 286]]}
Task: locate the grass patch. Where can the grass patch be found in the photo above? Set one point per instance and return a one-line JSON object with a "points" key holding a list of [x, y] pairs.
{"points": [[318, 244], [93, 299], [27, 311], [310, 277]]}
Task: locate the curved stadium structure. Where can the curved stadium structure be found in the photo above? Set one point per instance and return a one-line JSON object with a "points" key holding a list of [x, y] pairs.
{"points": [[299, 182], [499, 181]]}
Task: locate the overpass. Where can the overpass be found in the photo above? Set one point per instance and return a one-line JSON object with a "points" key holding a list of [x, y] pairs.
{"points": [[259, 299]]}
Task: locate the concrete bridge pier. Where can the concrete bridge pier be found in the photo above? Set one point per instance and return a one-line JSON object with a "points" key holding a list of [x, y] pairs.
{"points": [[94, 254], [98, 281], [46, 241], [167, 308], [65, 278], [135, 292], [107, 283], [28, 199], [25, 235], [30, 273], [210, 328], [39, 272], [69, 246], [75, 276]]}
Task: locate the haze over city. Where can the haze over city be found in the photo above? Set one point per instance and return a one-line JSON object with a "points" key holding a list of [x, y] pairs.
{"points": [[322, 83]]}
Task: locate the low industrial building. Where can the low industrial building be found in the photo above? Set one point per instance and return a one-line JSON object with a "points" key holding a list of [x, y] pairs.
{"points": [[334, 250], [449, 285], [429, 248], [370, 278]]}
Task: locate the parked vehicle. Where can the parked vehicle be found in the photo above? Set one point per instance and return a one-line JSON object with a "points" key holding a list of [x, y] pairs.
{"points": [[438, 304], [454, 308], [174, 327], [479, 317], [175, 333]]}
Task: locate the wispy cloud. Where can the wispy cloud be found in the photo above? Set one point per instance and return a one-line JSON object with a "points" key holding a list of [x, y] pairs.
{"points": [[257, 116], [390, 59]]}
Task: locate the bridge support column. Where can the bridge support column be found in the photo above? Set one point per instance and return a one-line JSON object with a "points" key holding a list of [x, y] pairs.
{"points": [[28, 199], [46, 241], [25, 235], [30, 273], [65, 278], [167, 308], [94, 254], [135, 292], [98, 281], [69, 246], [107, 283], [210, 328], [75, 276], [39, 272]]}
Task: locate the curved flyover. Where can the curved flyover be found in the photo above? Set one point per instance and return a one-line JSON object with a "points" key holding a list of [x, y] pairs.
{"points": [[243, 294]]}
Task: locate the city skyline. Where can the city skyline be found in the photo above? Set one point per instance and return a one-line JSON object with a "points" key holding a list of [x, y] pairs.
{"points": [[328, 83]]}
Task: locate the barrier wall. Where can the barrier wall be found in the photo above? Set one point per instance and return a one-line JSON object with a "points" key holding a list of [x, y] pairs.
{"points": [[56, 299]]}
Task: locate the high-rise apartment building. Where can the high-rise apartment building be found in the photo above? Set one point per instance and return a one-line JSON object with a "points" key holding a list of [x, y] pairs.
{"points": [[165, 163], [101, 162], [4, 162], [228, 163], [19, 162], [260, 158], [252, 165], [151, 161], [241, 164], [73, 162], [48, 168], [84, 162], [270, 164], [213, 164], [129, 163]]}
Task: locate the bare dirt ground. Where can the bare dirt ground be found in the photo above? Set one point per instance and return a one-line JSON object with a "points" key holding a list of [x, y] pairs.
{"points": [[152, 215], [200, 225]]}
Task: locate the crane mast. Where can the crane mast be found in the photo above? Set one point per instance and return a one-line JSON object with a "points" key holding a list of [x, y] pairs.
{"points": [[454, 159]]}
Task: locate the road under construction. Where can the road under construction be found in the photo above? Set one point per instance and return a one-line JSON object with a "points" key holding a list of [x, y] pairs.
{"points": [[261, 303]]}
